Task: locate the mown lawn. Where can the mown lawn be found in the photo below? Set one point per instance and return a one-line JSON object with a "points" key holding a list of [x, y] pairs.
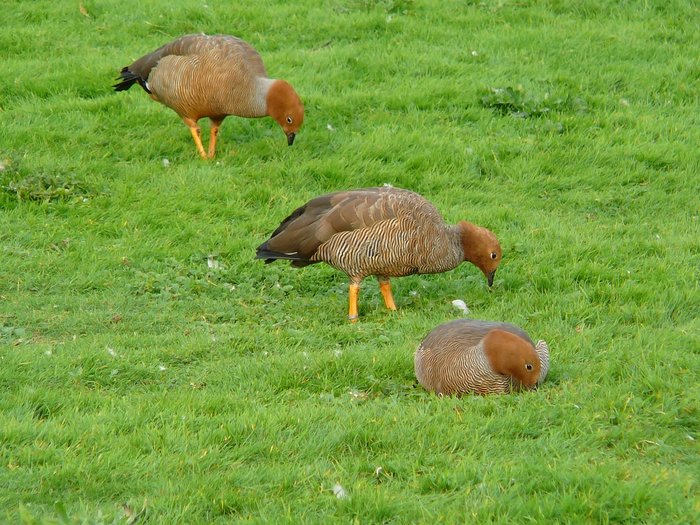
{"points": [[152, 371]]}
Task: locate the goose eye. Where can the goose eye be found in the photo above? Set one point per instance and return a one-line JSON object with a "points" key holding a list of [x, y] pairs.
{"points": [[528, 366], [493, 255], [289, 120]]}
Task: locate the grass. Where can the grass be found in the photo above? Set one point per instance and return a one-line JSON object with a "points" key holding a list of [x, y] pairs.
{"points": [[139, 384]]}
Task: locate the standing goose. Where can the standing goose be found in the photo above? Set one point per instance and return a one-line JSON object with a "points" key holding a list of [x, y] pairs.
{"points": [[386, 232], [214, 76], [481, 357]]}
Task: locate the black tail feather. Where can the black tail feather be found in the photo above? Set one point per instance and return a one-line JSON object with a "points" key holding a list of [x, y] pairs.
{"points": [[128, 79], [270, 256], [297, 259]]}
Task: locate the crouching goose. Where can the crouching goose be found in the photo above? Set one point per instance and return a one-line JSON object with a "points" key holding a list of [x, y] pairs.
{"points": [[482, 357]]}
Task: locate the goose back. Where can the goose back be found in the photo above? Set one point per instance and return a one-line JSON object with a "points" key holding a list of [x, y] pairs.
{"points": [[375, 231]]}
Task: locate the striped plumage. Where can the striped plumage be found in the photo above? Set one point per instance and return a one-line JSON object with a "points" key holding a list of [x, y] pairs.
{"points": [[482, 357], [214, 76], [386, 232]]}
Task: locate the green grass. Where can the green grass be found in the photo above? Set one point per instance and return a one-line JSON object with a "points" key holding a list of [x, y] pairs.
{"points": [[134, 378]]}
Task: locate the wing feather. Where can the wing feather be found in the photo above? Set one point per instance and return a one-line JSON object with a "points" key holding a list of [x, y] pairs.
{"points": [[313, 224], [229, 48], [469, 332]]}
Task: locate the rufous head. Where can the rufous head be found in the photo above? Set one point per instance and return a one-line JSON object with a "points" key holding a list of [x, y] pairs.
{"points": [[481, 248], [512, 356], [285, 106]]}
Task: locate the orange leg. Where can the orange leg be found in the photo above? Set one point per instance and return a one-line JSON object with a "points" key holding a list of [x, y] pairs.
{"points": [[215, 124], [385, 288], [353, 295], [196, 135]]}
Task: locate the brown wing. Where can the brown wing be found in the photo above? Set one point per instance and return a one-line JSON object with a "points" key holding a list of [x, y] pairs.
{"points": [[300, 234], [467, 333], [228, 47], [233, 49]]}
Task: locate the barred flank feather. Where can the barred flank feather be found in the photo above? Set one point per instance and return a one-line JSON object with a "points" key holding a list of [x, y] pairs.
{"points": [[542, 349]]}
